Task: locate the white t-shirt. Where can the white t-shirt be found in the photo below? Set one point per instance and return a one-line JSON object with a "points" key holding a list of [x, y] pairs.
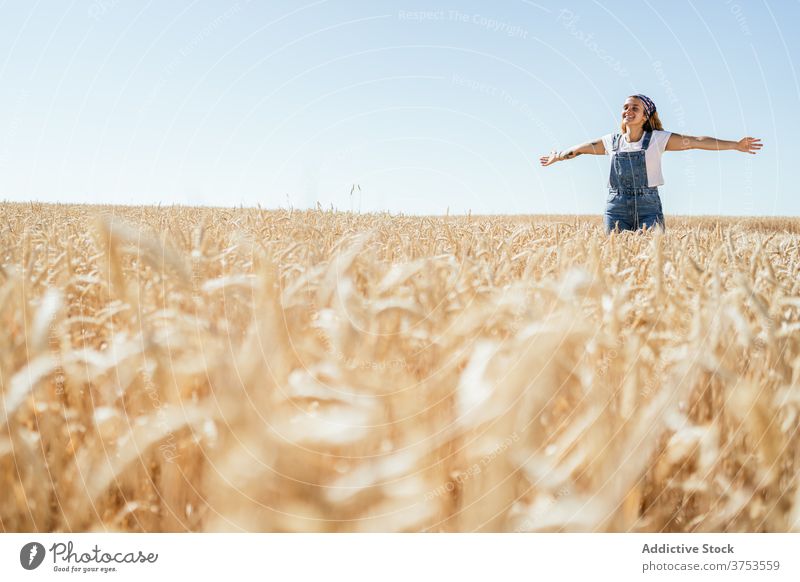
{"points": [[652, 157]]}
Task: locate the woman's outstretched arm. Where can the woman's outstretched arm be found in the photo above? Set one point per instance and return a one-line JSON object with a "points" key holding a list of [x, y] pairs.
{"points": [[678, 142], [595, 147]]}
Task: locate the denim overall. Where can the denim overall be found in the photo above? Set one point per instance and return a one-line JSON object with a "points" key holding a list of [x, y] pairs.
{"points": [[631, 203]]}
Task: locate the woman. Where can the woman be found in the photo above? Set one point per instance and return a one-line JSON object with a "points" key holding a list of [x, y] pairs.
{"points": [[633, 200]]}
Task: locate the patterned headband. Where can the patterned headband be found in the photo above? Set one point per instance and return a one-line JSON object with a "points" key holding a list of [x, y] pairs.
{"points": [[649, 106]]}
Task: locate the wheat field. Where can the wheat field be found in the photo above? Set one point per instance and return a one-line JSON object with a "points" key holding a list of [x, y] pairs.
{"points": [[209, 369]]}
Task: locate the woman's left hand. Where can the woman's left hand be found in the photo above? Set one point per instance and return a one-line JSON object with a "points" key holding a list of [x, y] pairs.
{"points": [[749, 145]]}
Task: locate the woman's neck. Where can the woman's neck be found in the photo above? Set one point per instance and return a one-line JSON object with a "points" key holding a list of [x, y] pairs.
{"points": [[634, 133]]}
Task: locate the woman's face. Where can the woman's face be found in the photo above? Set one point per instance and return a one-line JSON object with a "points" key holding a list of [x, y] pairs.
{"points": [[633, 112]]}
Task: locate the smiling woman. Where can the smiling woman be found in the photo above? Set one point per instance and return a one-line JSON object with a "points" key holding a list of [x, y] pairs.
{"points": [[633, 201]]}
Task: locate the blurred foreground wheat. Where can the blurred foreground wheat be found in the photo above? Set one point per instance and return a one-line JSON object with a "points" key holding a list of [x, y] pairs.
{"points": [[174, 369]]}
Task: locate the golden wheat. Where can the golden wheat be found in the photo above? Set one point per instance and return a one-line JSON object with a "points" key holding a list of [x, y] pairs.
{"points": [[188, 369]]}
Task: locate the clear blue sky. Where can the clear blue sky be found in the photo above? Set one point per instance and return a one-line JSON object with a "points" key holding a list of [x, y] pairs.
{"points": [[426, 105]]}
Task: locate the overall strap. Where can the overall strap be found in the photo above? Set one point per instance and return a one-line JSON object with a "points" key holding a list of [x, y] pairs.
{"points": [[615, 141], [646, 142]]}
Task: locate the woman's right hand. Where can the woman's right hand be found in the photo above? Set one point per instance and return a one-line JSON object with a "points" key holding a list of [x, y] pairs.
{"points": [[550, 159]]}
